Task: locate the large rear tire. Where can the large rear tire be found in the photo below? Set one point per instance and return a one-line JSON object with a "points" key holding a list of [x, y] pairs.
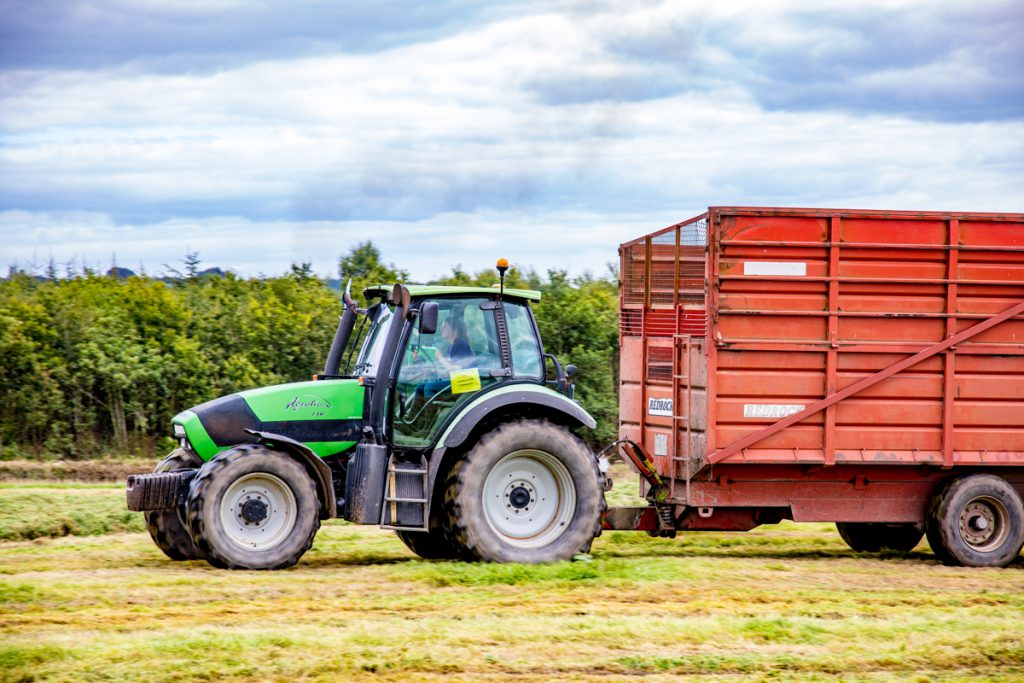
{"points": [[976, 521], [167, 528], [873, 538], [528, 492], [253, 508]]}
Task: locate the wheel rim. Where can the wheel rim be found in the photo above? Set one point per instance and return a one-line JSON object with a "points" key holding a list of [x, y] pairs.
{"points": [[983, 524], [529, 498], [258, 511]]}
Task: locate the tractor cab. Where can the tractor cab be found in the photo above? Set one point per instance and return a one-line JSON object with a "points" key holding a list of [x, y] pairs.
{"points": [[460, 342]]}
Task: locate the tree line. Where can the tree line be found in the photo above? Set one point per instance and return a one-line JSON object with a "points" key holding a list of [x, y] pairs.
{"points": [[96, 365]]}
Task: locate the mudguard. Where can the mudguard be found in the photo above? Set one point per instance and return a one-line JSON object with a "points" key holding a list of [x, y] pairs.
{"points": [[521, 395], [316, 466], [514, 394]]}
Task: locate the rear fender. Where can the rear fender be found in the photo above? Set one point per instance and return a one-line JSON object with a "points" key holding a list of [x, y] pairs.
{"points": [[526, 395], [527, 401]]}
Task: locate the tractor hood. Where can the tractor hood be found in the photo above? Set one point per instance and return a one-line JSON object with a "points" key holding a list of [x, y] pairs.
{"points": [[327, 416]]}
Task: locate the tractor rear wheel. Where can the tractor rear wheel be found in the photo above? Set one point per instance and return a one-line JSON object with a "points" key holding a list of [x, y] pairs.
{"points": [[976, 521], [167, 527], [527, 492], [252, 507], [871, 538]]}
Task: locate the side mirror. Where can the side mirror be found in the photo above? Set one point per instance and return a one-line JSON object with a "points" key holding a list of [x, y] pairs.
{"points": [[428, 317]]}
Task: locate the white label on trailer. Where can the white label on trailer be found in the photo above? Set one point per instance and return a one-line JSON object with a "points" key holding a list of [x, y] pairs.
{"points": [[661, 407], [661, 444], [774, 268], [771, 410]]}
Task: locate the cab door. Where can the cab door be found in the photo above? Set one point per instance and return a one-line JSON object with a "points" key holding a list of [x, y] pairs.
{"points": [[443, 371]]}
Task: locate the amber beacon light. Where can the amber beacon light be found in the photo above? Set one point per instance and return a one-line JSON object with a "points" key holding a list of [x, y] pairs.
{"points": [[502, 267]]}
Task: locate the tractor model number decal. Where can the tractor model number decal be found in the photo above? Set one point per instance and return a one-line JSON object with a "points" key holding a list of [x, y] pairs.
{"points": [[661, 407], [771, 410], [315, 404]]}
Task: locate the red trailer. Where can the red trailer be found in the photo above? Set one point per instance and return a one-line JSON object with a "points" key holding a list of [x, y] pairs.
{"points": [[858, 367]]}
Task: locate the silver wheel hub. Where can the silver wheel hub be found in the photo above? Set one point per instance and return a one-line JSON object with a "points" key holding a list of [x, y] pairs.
{"points": [[983, 524], [258, 511], [529, 498]]}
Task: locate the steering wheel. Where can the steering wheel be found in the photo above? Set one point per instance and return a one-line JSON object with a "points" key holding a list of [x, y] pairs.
{"points": [[423, 407]]}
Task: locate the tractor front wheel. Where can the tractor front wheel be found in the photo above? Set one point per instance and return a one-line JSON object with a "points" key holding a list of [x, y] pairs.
{"points": [[253, 508], [528, 492], [167, 527]]}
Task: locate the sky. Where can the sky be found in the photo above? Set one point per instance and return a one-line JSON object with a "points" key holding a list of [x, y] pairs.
{"points": [[260, 134]]}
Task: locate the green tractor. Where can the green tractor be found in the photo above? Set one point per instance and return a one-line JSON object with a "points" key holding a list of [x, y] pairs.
{"points": [[434, 417]]}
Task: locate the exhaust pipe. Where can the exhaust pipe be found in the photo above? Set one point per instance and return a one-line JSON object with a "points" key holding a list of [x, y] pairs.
{"points": [[342, 334]]}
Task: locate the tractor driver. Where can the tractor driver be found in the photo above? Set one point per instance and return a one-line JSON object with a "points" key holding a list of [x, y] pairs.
{"points": [[453, 331], [457, 356]]}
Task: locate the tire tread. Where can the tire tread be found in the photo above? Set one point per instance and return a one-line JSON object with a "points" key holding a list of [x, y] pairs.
{"points": [[462, 477], [205, 538], [167, 527]]}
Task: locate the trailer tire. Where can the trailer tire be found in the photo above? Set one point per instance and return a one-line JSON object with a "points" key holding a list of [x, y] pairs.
{"points": [[529, 492], [868, 537], [976, 521], [252, 507], [167, 528]]}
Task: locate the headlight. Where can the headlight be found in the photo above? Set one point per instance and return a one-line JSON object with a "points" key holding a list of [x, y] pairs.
{"points": [[179, 431]]}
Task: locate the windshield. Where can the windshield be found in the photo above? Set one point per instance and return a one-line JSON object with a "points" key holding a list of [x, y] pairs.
{"points": [[373, 347]]}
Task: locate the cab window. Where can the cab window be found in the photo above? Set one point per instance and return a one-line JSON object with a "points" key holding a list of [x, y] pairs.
{"points": [[442, 371], [522, 337]]}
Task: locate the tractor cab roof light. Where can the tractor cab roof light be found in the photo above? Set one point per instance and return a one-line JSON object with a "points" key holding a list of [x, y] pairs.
{"points": [[502, 266]]}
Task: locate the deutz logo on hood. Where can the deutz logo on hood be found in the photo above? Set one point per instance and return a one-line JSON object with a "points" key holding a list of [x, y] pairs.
{"points": [[300, 402]]}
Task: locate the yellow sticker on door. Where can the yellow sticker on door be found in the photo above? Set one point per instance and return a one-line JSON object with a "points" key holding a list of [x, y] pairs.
{"points": [[464, 381]]}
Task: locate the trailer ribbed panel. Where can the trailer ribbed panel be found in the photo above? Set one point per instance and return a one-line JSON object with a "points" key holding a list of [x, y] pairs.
{"points": [[805, 303]]}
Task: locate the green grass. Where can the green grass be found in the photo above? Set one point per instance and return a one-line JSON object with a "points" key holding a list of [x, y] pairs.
{"points": [[57, 509], [787, 602]]}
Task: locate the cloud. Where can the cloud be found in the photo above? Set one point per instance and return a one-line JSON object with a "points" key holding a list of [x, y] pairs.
{"points": [[549, 124], [187, 36]]}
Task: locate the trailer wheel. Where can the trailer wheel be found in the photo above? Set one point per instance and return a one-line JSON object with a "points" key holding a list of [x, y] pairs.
{"points": [[866, 537], [253, 508], [527, 492], [167, 528], [976, 521]]}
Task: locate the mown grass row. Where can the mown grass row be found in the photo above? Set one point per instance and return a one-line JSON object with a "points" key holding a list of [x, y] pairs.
{"points": [[788, 602], [53, 510]]}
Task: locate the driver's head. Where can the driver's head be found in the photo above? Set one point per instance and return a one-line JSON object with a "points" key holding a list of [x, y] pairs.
{"points": [[453, 328]]}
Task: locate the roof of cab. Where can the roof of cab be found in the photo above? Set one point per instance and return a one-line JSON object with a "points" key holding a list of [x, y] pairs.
{"points": [[442, 290]]}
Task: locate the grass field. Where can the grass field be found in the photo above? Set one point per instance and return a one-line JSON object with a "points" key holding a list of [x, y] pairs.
{"points": [[779, 603]]}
